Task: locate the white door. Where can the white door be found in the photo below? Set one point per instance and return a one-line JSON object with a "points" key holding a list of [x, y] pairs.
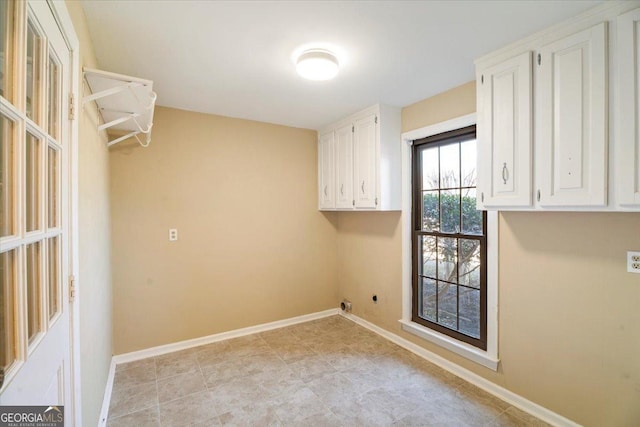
{"points": [[628, 139], [505, 132], [34, 221], [571, 117], [326, 171], [365, 159], [344, 167]]}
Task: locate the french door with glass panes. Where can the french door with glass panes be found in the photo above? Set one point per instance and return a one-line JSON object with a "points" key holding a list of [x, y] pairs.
{"points": [[34, 226]]}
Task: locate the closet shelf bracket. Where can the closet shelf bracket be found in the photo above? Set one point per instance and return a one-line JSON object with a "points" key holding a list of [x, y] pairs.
{"points": [[126, 104]]}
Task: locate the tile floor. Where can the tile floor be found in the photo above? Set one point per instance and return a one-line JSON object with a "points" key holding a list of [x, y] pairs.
{"points": [[327, 372]]}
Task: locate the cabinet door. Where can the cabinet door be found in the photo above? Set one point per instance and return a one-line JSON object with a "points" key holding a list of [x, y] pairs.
{"points": [[326, 198], [344, 167], [628, 138], [365, 160], [571, 118], [504, 133]]}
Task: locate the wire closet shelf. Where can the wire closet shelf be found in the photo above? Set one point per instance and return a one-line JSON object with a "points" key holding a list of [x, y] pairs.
{"points": [[125, 103]]}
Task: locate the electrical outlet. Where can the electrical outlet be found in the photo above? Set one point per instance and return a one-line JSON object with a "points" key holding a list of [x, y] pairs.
{"points": [[633, 262], [173, 234]]}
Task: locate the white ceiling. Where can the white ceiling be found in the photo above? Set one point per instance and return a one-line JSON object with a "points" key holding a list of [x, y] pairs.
{"points": [[233, 58]]}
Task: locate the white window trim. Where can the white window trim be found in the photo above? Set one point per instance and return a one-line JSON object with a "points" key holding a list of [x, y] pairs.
{"points": [[488, 358]]}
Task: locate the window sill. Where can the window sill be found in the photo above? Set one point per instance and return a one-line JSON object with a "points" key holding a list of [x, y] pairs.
{"points": [[465, 350]]}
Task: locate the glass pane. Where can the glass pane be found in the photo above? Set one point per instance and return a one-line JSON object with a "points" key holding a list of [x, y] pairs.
{"points": [[450, 166], [430, 169], [52, 187], [33, 71], [33, 278], [430, 210], [7, 181], [428, 296], [468, 159], [54, 99], [54, 276], [470, 312], [6, 51], [7, 326], [448, 305], [32, 172], [450, 211], [429, 256], [471, 217], [447, 257], [469, 265]]}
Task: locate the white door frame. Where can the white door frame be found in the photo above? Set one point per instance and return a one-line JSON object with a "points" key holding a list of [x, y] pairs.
{"points": [[61, 14]]}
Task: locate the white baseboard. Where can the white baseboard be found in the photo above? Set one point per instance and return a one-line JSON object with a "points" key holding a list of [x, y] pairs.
{"points": [[500, 392], [492, 388], [183, 345], [106, 400]]}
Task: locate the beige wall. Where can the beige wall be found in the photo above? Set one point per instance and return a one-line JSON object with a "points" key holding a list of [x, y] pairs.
{"points": [[252, 248], [455, 102], [94, 281], [569, 325]]}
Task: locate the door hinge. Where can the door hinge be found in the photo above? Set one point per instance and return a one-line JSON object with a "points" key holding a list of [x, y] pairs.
{"points": [[353, 129], [482, 79], [72, 288], [376, 201], [72, 108], [376, 120], [539, 59]]}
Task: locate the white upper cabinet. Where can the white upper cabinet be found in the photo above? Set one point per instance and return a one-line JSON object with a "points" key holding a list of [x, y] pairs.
{"points": [[344, 167], [504, 117], [628, 113], [571, 117], [326, 169], [546, 107], [366, 161]]}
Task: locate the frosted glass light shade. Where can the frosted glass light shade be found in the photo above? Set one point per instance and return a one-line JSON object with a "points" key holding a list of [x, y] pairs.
{"points": [[317, 64]]}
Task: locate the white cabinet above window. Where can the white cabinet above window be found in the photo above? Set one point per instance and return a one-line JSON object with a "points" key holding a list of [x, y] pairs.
{"points": [[359, 161], [571, 120], [628, 112], [504, 165], [544, 102]]}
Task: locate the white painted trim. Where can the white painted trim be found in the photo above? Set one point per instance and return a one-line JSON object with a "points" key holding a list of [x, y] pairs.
{"points": [[463, 349], [106, 400], [183, 345], [61, 14], [487, 358], [500, 392], [435, 129]]}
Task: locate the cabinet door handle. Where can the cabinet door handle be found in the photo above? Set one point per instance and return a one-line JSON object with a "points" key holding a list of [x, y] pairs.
{"points": [[325, 190], [538, 195], [362, 187], [505, 173], [482, 197], [342, 189]]}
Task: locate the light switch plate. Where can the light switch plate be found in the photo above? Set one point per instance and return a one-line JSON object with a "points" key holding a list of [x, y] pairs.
{"points": [[633, 262]]}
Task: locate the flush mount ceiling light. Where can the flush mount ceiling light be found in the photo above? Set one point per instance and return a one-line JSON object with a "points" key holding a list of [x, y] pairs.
{"points": [[317, 64]]}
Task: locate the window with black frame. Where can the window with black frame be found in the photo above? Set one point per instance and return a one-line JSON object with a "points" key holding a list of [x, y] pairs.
{"points": [[449, 238]]}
